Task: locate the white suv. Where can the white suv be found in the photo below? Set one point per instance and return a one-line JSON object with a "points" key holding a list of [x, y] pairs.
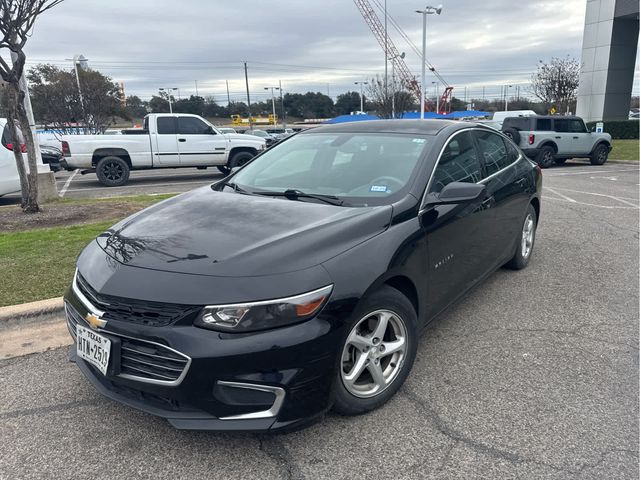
{"points": [[9, 179], [554, 139]]}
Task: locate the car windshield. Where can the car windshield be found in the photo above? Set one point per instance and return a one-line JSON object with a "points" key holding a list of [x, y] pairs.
{"points": [[361, 168], [258, 133]]}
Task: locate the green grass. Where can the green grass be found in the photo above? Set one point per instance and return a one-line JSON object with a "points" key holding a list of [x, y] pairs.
{"points": [[143, 199], [39, 264], [625, 150]]}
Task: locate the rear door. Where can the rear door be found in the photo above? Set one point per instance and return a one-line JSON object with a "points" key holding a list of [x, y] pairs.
{"points": [[199, 144], [507, 186], [457, 236], [166, 142]]}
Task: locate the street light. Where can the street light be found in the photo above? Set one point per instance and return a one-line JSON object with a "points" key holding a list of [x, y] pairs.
{"points": [[273, 102], [81, 60], [393, 83], [361, 98], [427, 11], [168, 90], [506, 97], [436, 85]]}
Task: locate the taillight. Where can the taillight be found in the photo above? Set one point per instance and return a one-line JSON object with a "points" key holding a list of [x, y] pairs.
{"points": [[532, 138], [23, 147], [9, 146], [65, 149]]}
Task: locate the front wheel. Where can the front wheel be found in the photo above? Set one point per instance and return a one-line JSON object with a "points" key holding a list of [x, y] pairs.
{"points": [[240, 158], [112, 171], [526, 239], [545, 157], [377, 353], [600, 155]]}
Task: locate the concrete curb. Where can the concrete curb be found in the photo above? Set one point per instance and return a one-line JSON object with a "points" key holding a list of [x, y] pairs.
{"points": [[16, 316]]}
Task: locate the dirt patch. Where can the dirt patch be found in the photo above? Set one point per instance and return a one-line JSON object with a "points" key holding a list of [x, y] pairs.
{"points": [[12, 218]]}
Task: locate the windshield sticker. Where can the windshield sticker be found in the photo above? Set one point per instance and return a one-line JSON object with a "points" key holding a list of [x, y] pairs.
{"points": [[378, 188], [419, 140]]}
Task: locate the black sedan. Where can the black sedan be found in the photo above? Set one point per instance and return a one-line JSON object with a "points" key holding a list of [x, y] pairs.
{"points": [[301, 282]]}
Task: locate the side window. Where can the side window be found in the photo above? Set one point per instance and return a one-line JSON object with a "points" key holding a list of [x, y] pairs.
{"points": [[512, 152], [166, 125], [577, 126], [458, 163], [493, 150], [544, 125], [192, 126], [561, 125]]}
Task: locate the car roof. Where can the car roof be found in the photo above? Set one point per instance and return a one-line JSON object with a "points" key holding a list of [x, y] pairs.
{"points": [[422, 127]]}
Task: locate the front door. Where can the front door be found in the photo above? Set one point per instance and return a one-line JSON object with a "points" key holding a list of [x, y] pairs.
{"points": [[166, 142], [457, 236], [199, 144], [580, 137]]}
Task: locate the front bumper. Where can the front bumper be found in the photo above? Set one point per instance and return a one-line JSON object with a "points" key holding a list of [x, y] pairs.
{"points": [[272, 380]]}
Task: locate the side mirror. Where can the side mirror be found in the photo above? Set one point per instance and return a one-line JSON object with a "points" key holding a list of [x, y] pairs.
{"points": [[456, 193]]}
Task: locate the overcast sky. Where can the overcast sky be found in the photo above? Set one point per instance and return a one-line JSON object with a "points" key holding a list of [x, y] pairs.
{"points": [[319, 45]]}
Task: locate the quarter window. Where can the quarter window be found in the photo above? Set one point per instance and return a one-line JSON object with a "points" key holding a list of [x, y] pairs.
{"points": [[192, 126], [166, 125], [493, 151], [458, 163]]}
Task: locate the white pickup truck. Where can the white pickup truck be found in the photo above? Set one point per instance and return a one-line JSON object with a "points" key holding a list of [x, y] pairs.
{"points": [[166, 141]]}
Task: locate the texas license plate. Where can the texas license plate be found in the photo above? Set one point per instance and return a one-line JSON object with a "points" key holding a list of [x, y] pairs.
{"points": [[93, 347]]}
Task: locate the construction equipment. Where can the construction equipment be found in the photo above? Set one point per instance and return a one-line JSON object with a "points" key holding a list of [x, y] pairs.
{"points": [[406, 77], [237, 120]]}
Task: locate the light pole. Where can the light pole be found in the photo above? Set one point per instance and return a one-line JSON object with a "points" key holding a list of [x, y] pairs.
{"points": [[284, 113], [77, 59], [506, 97], [361, 97], [273, 102], [437, 89], [393, 82], [427, 11], [168, 90]]}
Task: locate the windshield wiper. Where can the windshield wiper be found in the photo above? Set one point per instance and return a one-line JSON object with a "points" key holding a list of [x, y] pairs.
{"points": [[293, 194], [236, 188]]}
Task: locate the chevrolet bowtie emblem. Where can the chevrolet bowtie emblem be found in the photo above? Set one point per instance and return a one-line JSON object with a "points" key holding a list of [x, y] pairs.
{"points": [[95, 321]]}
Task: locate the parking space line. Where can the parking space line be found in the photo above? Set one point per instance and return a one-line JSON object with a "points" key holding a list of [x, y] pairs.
{"points": [[564, 198], [67, 183], [586, 172], [620, 199], [561, 195]]}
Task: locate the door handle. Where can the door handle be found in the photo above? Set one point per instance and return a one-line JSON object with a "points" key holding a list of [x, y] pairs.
{"points": [[182, 139], [558, 137], [488, 202], [521, 182], [576, 137]]}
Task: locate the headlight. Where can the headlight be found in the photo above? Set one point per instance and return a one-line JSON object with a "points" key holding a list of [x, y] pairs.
{"points": [[249, 317]]}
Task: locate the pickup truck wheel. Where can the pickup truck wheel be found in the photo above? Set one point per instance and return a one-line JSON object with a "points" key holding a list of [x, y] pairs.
{"points": [[513, 134], [545, 157], [240, 158], [224, 170], [600, 155], [112, 171]]}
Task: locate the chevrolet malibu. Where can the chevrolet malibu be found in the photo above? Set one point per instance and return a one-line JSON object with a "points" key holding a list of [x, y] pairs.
{"points": [[301, 282]]}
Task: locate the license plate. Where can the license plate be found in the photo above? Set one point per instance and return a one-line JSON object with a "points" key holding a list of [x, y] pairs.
{"points": [[93, 347]]}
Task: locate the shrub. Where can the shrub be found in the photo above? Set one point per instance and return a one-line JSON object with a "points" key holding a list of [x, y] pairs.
{"points": [[620, 129]]}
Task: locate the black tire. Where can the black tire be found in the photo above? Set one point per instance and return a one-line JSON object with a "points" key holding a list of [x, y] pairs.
{"points": [[386, 299], [112, 171], [560, 161], [240, 158], [513, 134], [545, 156], [521, 258], [600, 155], [224, 170]]}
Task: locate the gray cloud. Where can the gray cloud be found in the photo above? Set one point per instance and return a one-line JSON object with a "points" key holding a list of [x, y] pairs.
{"points": [[152, 43]]}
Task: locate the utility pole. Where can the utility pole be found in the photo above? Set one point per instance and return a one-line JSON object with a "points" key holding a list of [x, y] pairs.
{"points": [[506, 97], [386, 52], [246, 81], [228, 97], [284, 113]]}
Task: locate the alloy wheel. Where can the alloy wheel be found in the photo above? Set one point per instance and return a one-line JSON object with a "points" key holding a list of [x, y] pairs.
{"points": [[527, 236], [374, 353], [112, 171]]}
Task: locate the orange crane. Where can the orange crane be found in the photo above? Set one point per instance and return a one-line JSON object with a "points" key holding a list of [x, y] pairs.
{"points": [[406, 77]]}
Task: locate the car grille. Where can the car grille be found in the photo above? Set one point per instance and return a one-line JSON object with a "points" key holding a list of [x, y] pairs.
{"points": [[154, 314], [140, 360]]}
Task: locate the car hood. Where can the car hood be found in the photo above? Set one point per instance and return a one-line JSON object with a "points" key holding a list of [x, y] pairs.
{"points": [[241, 137], [206, 232]]}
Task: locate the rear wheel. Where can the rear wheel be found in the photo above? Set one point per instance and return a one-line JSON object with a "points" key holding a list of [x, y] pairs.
{"points": [[240, 158], [378, 352], [112, 171], [600, 155], [545, 156], [525, 241], [560, 161]]}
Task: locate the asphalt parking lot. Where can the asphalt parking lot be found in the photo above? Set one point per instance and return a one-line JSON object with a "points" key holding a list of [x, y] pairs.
{"points": [[533, 375]]}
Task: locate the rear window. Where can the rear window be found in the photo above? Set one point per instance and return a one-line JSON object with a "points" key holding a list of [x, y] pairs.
{"points": [[544, 125], [166, 125]]}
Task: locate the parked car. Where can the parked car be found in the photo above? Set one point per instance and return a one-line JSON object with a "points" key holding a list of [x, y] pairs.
{"points": [[269, 139], [280, 133], [166, 141], [51, 156], [554, 139], [301, 281], [9, 179], [227, 130]]}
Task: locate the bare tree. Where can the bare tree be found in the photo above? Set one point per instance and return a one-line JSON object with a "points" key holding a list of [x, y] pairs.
{"points": [[383, 102], [17, 18], [556, 82]]}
